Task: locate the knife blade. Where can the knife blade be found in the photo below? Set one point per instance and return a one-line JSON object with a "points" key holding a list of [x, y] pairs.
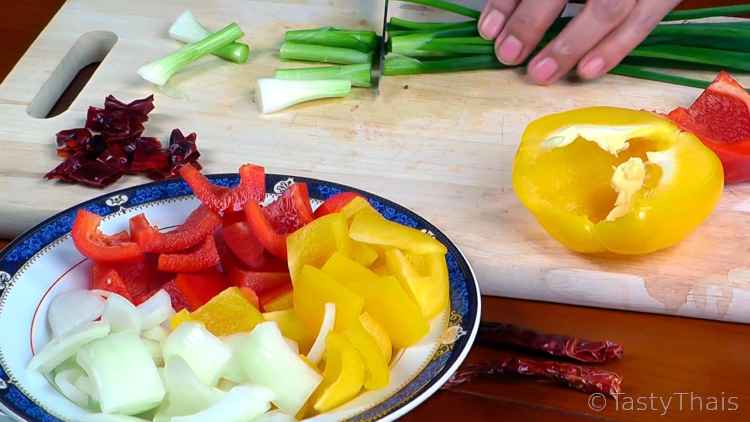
{"points": [[382, 47]]}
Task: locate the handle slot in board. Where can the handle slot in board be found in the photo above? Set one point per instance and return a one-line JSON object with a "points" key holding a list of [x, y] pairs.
{"points": [[91, 47]]}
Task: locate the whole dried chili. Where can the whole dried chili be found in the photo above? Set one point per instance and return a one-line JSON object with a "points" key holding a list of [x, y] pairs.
{"points": [[587, 380], [499, 334]]}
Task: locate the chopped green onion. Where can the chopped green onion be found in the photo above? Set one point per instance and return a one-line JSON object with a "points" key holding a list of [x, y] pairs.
{"points": [[359, 74], [159, 72], [323, 54], [728, 59], [426, 45], [272, 95], [188, 30], [364, 41], [396, 64], [398, 23], [448, 7], [641, 73], [442, 33], [708, 12]]}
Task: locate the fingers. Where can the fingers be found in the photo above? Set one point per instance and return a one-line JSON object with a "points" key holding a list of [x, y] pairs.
{"points": [[525, 28], [610, 51], [584, 32], [494, 16]]}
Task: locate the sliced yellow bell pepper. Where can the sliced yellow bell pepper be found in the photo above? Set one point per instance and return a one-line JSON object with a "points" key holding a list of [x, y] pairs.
{"points": [[385, 300], [227, 313], [285, 301], [343, 375], [376, 330], [372, 228], [314, 243], [424, 276], [363, 253], [292, 327], [314, 289], [606, 179], [377, 374], [355, 206]]}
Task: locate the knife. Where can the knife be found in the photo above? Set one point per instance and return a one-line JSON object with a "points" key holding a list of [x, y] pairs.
{"points": [[377, 73]]}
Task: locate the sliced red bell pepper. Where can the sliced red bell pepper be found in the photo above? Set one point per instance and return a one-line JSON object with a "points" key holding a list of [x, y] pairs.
{"points": [[140, 278], [290, 211], [335, 203], [243, 244], [271, 295], [260, 282], [231, 217], [272, 241], [201, 258], [95, 245], [252, 188], [199, 288], [179, 302], [107, 279], [720, 117], [199, 224]]}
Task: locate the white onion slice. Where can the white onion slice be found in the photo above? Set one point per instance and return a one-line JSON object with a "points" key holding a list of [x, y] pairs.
{"points": [[122, 315], [60, 349], [157, 309], [74, 308], [204, 352], [275, 416], [154, 349], [104, 417], [158, 333], [233, 370], [186, 394], [65, 382], [319, 346], [241, 404], [84, 384], [292, 345]]}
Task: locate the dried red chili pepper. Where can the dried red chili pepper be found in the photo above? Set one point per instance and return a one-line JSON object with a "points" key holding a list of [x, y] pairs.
{"points": [[182, 150], [499, 334], [577, 377]]}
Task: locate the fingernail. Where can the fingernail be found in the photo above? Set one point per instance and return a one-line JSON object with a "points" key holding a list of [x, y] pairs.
{"points": [[510, 49], [543, 70], [592, 68], [491, 24]]}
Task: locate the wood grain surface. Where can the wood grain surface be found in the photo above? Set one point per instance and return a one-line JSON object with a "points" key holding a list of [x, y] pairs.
{"points": [[665, 356]]}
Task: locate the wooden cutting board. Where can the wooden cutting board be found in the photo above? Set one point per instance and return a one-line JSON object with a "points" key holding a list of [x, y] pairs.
{"points": [[442, 145]]}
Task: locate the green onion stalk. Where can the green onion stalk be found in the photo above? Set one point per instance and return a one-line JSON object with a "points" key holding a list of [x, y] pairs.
{"points": [[188, 30], [360, 75], [323, 54], [364, 41]]}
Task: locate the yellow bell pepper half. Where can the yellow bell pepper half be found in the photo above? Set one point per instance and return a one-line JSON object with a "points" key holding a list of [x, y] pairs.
{"points": [[606, 179]]}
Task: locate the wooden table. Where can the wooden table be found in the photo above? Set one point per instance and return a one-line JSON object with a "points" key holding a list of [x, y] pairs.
{"points": [[701, 366]]}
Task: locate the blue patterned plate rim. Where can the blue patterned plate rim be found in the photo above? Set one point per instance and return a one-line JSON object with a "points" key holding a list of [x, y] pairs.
{"points": [[464, 291]]}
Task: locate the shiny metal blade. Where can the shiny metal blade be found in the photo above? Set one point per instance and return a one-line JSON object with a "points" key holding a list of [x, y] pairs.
{"points": [[382, 47]]}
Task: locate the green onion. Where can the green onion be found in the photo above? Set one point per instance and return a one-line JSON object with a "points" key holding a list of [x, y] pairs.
{"points": [[724, 36], [359, 74], [364, 41], [272, 95], [708, 12], [188, 30], [426, 45], [728, 59], [398, 23], [450, 32], [396, 64], [641, 73], [324, 54], [448, 7], [159, 72]]}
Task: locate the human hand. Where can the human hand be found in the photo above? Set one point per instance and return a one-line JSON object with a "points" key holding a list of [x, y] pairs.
{"points": [[594, 42]]}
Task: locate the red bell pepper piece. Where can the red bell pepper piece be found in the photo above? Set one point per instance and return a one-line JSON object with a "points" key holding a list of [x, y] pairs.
{"points": [[95, 245], [199, 224], [108, 279], [139, 278], [260, 282], [243, 244], [199, 288], [179, 302], [290, 211], [252, 188], [720, 117], [335, 203], [272, 241], [203, 257]]}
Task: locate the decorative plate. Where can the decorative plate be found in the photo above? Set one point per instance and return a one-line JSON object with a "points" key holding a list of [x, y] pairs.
{"points": [[44, 262]]}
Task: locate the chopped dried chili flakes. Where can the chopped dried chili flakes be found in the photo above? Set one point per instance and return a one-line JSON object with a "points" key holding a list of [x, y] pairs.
{"points": [[111, 145]]}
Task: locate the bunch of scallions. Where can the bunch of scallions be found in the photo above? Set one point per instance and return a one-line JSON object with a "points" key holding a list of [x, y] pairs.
{"points": [[348, 52], [434, 47]]}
